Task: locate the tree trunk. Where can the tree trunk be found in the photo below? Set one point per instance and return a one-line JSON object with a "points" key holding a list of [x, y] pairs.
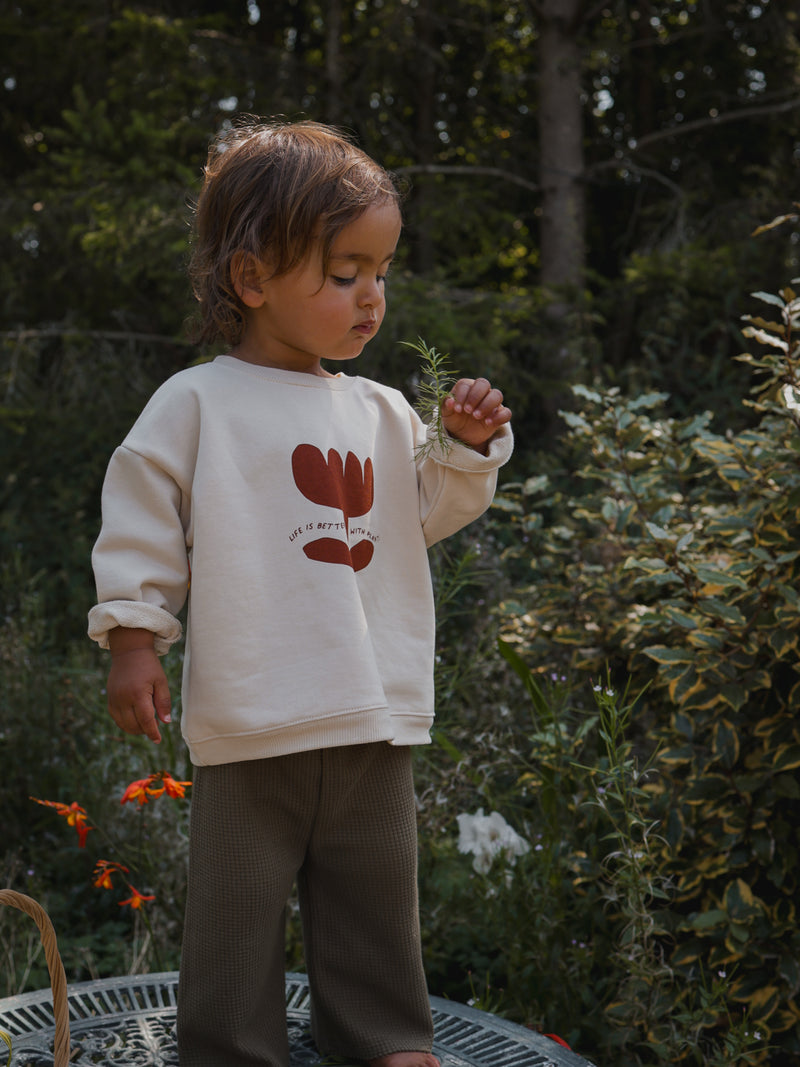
{"points": [[562, 236], [425, 81], [333, 63]]}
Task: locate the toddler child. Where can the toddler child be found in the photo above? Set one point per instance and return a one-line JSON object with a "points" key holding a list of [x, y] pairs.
{"points": [[302, 504]]}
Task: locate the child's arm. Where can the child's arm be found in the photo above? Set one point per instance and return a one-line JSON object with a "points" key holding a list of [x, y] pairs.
{"points": [[457, 483], [474, 411], [138, 693]]}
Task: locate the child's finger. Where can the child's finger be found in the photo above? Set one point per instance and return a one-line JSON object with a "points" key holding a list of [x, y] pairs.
{"points": [[469, 393], [488, 404], [147, 723], [140, 718], [475, 395], [162, 701], [499, 417]]}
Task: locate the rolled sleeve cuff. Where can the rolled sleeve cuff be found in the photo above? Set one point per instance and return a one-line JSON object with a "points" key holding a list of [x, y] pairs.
{"points": [[134, 615], [461, 457]]}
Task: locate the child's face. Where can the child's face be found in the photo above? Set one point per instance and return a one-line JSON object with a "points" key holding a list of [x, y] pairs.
{"points": [[297, 319]]}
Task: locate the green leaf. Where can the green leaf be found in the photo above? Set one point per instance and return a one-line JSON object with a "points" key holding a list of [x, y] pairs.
{"points": [[707, 920], [662, 654], [765, 338], [728, 613], [647, 400], [740, 903], [587, 394], [782, 642], [765, 324], [709, 787], [684, 724], [772, 298], [686, 687], [758, 679], [705, 639], [786, 758], [786, 785], [699, 697], [536, 484], [682, 618], [773, 534], [711, 576], [726, 743], [504, 503], [733, 695], [658, 532], [649, 564], [688, 952]]}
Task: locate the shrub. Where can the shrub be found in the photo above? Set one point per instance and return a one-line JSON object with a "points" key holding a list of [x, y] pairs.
{"points": [[678, 566]]}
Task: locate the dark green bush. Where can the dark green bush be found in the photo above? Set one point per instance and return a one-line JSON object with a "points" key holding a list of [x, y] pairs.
{"points": [[677, 564]]}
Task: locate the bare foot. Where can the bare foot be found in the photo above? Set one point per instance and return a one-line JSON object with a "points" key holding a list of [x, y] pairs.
{"points": [[405, 1059]]}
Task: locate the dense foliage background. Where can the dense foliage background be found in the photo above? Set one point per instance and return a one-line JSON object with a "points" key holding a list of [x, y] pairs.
{"points": [[584, 185]]}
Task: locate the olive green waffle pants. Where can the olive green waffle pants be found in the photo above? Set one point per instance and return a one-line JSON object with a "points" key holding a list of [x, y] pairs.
{"points": [[342, 822]]}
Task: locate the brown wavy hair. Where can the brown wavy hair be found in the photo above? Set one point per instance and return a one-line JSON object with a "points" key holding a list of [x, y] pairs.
{"points": [[274, 189]]}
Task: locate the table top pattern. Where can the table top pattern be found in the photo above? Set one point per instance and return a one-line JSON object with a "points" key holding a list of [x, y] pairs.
{"points": [[130, 1022]]}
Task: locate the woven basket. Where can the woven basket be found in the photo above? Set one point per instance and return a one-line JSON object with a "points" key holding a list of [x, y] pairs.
{"points": [[58, 980]]}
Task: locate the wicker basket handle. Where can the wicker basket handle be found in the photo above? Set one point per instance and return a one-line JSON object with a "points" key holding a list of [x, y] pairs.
{"points": [[58, 980]]}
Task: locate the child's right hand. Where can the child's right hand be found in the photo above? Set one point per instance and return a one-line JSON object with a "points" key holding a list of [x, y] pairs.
{"points": [[138, 692]]}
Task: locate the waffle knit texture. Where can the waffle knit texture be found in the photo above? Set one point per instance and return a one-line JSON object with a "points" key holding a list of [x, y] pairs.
{"points": [[343, 822]]}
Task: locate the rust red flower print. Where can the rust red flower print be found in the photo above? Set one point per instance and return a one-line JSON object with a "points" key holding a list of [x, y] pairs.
{"points": [[333, 483]]}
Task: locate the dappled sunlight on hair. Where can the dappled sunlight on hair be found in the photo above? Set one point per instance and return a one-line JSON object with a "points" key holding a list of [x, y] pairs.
{"points": [[274, 191]]}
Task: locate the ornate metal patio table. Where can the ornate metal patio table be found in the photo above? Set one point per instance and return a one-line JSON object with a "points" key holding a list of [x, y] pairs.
{"points": [[130, 1022]]}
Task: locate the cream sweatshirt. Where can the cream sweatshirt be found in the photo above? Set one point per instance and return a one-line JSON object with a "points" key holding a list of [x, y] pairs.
{"points": [[298, 508]]}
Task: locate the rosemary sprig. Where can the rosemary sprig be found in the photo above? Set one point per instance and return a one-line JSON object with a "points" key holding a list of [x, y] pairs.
{"points": [[437, 377]]}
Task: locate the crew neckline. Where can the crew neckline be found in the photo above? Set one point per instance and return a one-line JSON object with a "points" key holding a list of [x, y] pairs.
{"points": [[286, 377]]}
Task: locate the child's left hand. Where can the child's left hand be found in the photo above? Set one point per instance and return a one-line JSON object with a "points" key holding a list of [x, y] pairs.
{"points": [[473, 412]]}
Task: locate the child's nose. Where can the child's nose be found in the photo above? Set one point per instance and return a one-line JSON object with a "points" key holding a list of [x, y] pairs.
{"points": [[371, 293]]}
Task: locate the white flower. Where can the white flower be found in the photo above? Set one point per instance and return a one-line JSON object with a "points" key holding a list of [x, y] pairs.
{"points": [[488, 836]]}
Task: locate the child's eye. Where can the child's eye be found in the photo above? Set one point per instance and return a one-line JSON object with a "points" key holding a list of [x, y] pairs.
{"points": [[339, 280]]}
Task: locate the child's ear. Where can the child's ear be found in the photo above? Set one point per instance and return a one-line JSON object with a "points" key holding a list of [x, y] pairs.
{"points": [[248, 275]]}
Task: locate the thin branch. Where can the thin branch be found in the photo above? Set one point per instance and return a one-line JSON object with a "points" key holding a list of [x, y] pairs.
{"points": [[455, 169], [628, 164], [651, 138], [104, 335], [717, 120]]}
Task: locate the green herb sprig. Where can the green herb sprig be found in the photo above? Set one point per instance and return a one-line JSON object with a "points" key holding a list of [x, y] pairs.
{"points": [[437, 377]]}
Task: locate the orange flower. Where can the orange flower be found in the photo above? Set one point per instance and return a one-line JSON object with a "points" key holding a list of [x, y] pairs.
{"points": [[173, 788], [136, 899], [103, 872], [139, 790], [74, 814], [145, 788]]}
